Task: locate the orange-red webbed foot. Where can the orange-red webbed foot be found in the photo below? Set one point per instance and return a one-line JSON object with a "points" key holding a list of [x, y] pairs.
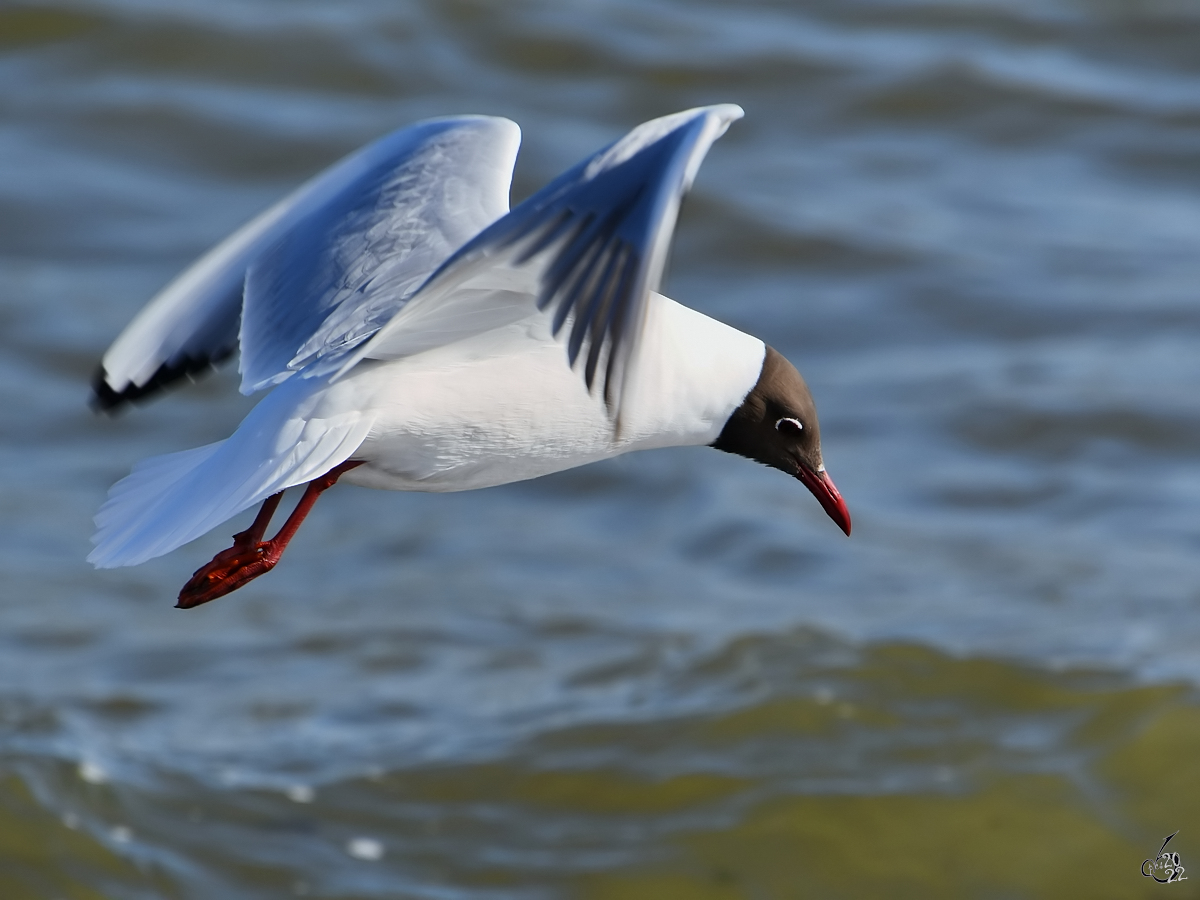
{"points": [[248, 558], [228, 571]]}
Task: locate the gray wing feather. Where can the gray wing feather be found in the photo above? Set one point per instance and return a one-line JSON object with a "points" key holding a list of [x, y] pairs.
{"points": [[326, 265], [347, 267], [592, 245]]}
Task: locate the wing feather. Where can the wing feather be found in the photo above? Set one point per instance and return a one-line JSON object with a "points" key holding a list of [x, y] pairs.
{"points": [[344, 269], [587, 249], [324, 267]]}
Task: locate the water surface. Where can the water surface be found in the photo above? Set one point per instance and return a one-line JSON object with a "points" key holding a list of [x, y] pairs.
{"points": [[972, 225]]}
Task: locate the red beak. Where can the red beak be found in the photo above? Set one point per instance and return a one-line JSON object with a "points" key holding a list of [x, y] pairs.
{"points": [[827, 495]]}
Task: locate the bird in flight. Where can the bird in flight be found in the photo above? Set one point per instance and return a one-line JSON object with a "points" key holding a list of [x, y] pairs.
{"points": [[417, 335]]}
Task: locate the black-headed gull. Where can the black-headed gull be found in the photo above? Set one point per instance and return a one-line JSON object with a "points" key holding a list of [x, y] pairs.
{"points": [[419, 336]]}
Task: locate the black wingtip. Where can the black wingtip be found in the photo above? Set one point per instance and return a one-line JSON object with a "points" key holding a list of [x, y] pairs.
{"points": [[105, 399]]}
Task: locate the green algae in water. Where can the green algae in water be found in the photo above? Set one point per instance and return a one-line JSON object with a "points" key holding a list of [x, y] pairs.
{"points": [[42, 857], [896, 771]]}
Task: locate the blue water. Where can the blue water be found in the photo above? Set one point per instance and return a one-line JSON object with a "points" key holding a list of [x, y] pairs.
{"points": [[972, 226]]}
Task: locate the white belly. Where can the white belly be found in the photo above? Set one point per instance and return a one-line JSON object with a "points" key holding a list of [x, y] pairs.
{"points": [[506, 407], [445, 425]]}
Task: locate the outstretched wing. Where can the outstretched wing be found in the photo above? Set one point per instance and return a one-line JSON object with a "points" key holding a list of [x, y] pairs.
{"points": [[587, 249], [324, 267]]}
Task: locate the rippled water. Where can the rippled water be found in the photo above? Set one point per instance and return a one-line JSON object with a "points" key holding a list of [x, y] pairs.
{"points": [[972, 225]]}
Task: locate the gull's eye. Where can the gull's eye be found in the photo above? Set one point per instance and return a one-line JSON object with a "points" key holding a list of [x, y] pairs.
{"points": [[789, 426]]}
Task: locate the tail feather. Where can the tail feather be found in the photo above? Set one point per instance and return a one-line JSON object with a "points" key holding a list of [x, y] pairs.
{"points": [[167, 501], [149, 478]]}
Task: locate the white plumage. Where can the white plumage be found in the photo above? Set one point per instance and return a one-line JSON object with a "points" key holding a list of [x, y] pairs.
{"points": [[406, 321]]}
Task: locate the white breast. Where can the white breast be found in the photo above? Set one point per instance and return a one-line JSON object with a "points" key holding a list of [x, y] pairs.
{"points": [[505, 406]]}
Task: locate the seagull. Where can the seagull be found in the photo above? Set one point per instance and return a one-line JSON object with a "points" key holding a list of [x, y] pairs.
{"points": [[417, 335]]}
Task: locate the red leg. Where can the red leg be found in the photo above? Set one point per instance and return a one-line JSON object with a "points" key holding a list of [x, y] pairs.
{"points": [[251, 556], [245, 543], [258, 527]]}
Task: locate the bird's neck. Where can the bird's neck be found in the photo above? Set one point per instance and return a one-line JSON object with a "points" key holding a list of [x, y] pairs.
{"points": [[692, 372]]}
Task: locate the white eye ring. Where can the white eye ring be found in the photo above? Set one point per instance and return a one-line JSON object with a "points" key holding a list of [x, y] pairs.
{"points": [[793, 423]]}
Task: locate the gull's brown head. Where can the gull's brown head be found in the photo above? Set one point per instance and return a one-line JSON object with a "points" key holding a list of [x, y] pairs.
{"points": [[777, 425]]}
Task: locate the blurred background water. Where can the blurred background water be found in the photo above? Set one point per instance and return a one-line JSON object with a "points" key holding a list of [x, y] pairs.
{"points": [[972, 224]]}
